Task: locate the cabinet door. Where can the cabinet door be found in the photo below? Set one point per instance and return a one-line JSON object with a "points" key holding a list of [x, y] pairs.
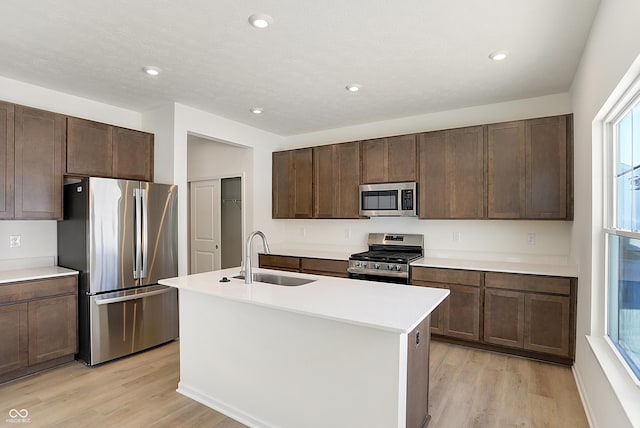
{"points": [[347, 157], [504, 317], [418, 375], [506, 170], [465, 173], [89, 148], [402, 159], [432, 175], [52, 328], [281, 188], [132, 154], [302, 181], [325, 182], [375, 163], [6, 161], [292, 184], [462, 317], [547, 325], [39, 163], [546, 168], [13, 337], [451, 173]]}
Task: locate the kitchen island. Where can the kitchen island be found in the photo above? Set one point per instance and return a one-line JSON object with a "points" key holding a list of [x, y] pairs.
{"points": [[334, 352]]}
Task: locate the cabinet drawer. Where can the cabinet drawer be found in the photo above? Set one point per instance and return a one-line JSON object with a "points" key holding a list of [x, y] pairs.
{"points": [[534, 283], [28, 290], [287, 263], [325, 267], [447, 276]]}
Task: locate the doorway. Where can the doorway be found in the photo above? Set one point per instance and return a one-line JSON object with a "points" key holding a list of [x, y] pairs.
{"points": [[215, 224]]}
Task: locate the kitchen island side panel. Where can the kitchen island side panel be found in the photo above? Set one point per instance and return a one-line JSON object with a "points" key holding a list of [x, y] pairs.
{"points": [[271, 368]]}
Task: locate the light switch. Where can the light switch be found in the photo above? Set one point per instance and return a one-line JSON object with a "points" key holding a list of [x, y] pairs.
{"points": [[14, 241]]}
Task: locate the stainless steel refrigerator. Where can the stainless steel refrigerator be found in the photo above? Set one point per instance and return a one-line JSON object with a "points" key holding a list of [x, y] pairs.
{"points": [[122, 237]]}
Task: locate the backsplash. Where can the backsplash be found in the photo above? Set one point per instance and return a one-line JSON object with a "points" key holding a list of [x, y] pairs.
{"points": [[38, 243]]}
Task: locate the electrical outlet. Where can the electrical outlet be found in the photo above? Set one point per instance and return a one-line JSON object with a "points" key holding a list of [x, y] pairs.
{"points": [[14, 241], [531, 238], [456, 236], [347, 233], [303, 231]]}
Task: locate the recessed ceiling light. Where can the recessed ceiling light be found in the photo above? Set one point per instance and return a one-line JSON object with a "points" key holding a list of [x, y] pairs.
{"points": [[151, 71], [498, 55], [256, 110], [260, 20], [353, 87]]}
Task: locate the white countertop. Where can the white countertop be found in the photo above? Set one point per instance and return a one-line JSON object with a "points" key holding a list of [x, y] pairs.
{"points": [[524, 264], [397, 308], [29, 274]]}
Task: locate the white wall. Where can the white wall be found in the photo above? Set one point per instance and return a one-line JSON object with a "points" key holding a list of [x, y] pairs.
{"points": [[190, 121], [614, 43], [39, 238], [488, 238]]}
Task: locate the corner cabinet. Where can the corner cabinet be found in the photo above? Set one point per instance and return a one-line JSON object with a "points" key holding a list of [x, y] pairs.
{"points": [[336, 180], [451, 174], [530, 312], [38, 325], [529, 169], [389, 160], [292, 184], [98, 149], [39, 163]]}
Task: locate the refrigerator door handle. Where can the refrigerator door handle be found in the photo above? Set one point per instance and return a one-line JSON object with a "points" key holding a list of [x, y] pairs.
{"points": [[145, 235], [137, 265]]}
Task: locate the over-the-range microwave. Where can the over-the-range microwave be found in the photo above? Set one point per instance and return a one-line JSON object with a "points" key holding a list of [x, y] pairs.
{"points": [[389, 199]]}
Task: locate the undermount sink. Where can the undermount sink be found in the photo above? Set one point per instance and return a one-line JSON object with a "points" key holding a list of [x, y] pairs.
{"points": [[278, 279]]}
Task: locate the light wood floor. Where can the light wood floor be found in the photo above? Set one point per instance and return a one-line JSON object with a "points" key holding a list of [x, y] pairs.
{"points": [[469, 388]]}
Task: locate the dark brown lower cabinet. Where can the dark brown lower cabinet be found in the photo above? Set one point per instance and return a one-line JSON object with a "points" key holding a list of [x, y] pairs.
{"points": [[459, 315], [326, 267], [38, 325], [14, 352], [530, 312], [418, 375]]}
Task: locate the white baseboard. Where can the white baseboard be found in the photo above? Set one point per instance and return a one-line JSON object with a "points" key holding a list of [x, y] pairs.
{"points": [[583, 397]]}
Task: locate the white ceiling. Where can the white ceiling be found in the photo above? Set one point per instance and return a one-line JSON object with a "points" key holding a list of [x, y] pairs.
{"points": [[411, 56]]}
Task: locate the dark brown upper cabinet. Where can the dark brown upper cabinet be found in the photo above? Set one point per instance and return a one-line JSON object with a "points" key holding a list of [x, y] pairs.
{"points": [[39, 163], [336, 180], [389, 160], [529, 169], [6, 160], [132, 154], [98, 149], [292, 184], [451, 174]]}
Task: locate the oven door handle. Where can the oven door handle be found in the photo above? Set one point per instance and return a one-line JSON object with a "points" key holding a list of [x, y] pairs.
{"points": [[378, 273]]}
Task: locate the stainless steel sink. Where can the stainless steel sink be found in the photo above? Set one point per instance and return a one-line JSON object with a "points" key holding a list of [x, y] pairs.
{"points": [[278, 279]]}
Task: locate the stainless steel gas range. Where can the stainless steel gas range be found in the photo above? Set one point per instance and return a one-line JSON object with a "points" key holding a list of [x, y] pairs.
{"points": [[388, 257]]}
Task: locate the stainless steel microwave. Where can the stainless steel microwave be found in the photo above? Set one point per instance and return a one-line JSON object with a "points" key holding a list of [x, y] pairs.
{"points": [[389, 199]]}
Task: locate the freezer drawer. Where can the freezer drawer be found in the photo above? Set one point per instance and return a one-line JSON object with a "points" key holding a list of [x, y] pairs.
{"points": [[129, 321]]}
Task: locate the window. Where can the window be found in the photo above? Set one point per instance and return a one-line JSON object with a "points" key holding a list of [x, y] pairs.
{"points": [[623, 237]]}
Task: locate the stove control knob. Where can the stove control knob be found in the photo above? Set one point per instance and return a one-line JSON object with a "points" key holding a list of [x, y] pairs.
{"points": [[364, 265], [390, 267], [377, 266]]}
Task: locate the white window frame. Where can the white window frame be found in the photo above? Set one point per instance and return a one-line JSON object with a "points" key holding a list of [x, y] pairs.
{"points": [[627, 100]]}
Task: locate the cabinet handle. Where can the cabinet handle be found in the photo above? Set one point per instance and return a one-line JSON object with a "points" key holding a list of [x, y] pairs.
{"points": [[417, 339]]}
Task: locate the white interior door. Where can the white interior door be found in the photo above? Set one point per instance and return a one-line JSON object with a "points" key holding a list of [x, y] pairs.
{"points": [[205, 226]]}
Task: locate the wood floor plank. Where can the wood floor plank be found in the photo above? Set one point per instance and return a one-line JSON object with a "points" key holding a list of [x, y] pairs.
{"points": [[468, 388]]}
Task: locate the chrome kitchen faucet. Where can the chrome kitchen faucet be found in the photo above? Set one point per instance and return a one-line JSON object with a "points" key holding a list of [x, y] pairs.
{"points": [[248, 274]]}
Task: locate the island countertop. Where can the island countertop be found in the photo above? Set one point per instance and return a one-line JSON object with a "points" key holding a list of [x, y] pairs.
{"points": [[391, 307]]}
